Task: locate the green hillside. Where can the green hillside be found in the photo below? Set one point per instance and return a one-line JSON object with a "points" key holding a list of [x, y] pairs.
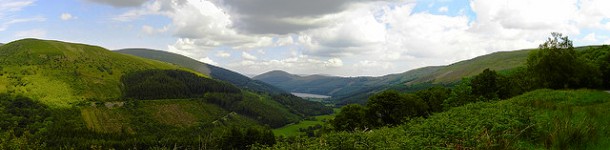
{"points": [[542, 119], [211, 70], [85, 96], [342, 90], [347, 90], [494, 61], [268, 92], [60, 74]]}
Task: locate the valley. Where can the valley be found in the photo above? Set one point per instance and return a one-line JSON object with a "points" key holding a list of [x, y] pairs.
{"points": [[75, 95], [308, 74]]}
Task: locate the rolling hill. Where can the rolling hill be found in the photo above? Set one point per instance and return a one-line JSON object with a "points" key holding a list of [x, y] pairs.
{"points": [[342, 90], [293, 103], [346, 90], [62, 74], [211, 70], [90, 93]]}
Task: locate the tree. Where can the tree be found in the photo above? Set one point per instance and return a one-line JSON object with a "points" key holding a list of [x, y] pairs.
{"points": [[556, 65], [352, 117], [599, 57], [392, 108], [460, 95], [434, 97], [485, 84]]}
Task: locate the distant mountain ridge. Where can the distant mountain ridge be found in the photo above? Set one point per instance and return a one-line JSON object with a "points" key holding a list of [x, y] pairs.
{"points": [[346, 90], [215, 72], [295, 104], [343, 90]]}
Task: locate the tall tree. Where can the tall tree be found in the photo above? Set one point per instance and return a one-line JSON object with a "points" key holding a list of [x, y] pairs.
{"points": [[556, 65], [352, 117], [434, 97], [392, 108], [485, 84]]}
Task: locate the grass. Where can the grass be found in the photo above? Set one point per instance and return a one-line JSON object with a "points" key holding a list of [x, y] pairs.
{"points": [[181, 113], [542, 119], [293, 129], [103, 120], [108, 117], [61, 74]]}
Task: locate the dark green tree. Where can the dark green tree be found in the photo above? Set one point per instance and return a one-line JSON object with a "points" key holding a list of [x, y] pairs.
{"points": [[434, 97], [460, 95], [392, 108], [352, 117], [556, 65], [599, 57], [485, 84]]}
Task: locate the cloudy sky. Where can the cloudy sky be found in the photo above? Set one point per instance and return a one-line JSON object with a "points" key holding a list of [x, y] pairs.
{"points": [[337, 37]]}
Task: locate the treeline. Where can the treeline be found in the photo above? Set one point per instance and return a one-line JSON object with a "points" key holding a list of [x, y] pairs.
{"points": [[177, 84], [28, 124], [300, 106], [556, 65], [171, 84]]}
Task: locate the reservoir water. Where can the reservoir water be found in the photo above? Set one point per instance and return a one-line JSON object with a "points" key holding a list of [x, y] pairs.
{"points": [[308, 95]]}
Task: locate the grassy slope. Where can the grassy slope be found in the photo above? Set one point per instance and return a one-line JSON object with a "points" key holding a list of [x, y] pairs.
{"points": [[495, 61], [213, 71], [61, 74], [265, 102], [181, 114], [293, 129], [540, 119]]}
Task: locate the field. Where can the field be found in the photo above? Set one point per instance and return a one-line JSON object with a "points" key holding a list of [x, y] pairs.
{"points": [[293, 129]]}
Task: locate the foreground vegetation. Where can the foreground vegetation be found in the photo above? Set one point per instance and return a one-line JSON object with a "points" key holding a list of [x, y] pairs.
{"points": [[539, 119]]}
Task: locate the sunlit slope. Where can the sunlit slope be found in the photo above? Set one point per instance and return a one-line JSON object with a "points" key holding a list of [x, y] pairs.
{"points": [[496, 61], [60, 73]]}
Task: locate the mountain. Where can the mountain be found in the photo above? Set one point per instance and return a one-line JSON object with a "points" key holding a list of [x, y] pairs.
{"points": [[211, 70], [62, 74], [294, 104], [85, 95], [345, 90], [495, 61], [342, 90]]}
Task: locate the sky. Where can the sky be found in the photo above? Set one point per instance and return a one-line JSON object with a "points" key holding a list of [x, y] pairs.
{"points": [[333, 37]]}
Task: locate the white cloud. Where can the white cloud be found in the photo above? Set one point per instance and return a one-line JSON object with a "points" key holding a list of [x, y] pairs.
{"points": [[10, 22], [34, 33], [296, 64], [151, 30], [590, 38], [66, 16], [248, 56], [120, 3], [364, 37], [223, 54], [7, 6], [334, 62], [443, 9], [207, 60]]}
